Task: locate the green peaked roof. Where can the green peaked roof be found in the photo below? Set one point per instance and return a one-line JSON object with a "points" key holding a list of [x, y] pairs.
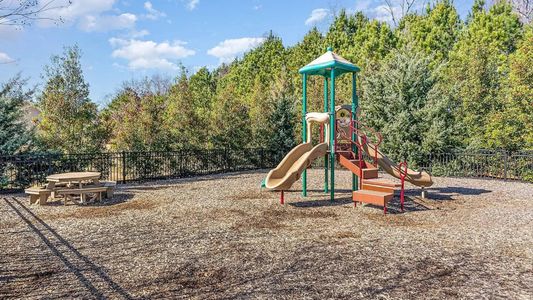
{"points": [[327, 61]]}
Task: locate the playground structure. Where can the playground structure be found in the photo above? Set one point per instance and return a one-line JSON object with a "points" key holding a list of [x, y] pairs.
{"points": [[343, 139]]}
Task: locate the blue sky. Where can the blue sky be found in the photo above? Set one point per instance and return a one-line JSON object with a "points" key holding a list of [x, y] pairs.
{"points": [[123, 40]]}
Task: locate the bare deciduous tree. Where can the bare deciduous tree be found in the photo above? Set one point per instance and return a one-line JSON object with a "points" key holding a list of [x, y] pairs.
{"points": [[24, 12], [405, 7], [524, 8]]}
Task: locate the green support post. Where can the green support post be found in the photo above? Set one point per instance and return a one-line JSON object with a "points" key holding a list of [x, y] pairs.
{"points": [[325, 156], [304, 131], [332, 135], [355, 104]]}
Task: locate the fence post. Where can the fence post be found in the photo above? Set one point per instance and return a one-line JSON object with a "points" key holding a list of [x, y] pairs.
{"points": [[505, 162], [123, 167]]}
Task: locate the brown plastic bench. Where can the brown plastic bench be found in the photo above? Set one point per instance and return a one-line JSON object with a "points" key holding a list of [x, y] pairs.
{"points": [[38, 193]]}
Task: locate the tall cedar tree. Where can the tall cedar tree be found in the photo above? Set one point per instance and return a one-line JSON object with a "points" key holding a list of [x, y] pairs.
{"points": [[15, 136], [281, 122]]}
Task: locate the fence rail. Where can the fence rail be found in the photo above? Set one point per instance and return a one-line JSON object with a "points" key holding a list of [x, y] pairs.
{"points": [[482, 163], [19, 171]]}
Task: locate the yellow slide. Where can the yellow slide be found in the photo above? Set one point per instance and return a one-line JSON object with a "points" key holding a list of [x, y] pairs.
{"points": [[292, 166], [299, 158], [422, 179]]}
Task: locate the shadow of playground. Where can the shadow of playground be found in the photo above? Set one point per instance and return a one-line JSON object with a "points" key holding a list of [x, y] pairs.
{"points": [[88, 273]]}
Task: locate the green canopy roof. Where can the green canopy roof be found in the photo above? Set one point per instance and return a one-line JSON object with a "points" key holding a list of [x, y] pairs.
{"points": [[323, 65]]}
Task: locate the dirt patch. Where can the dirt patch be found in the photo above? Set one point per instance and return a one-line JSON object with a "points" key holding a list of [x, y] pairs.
{"points": [[105, 211], [247, 195], [278, 218]]}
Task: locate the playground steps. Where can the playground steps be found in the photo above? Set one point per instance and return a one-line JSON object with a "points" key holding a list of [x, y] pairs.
{"points": [[380, 185], [353, 165], [372, 197]]}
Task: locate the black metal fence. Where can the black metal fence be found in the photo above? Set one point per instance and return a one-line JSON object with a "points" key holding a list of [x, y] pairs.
{"points": [[482, 163], [19, 171]]}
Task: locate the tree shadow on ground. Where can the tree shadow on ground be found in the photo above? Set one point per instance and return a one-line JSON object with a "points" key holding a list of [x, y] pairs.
{"points": [[118, 198], [91, 276], [447, 193]]}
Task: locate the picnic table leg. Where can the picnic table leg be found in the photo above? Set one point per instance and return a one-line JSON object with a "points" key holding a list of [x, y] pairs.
{"points": [[51, 185], [34, 198], [82, 195], [42, 198]]}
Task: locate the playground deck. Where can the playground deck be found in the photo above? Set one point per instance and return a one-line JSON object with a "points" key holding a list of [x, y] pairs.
{"points": [[219, 237]]}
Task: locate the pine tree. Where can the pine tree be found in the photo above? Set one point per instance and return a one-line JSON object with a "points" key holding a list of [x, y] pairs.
{"points": [[281, 122], [511, 127], [395, 102], [14, 133], [478, 67]]}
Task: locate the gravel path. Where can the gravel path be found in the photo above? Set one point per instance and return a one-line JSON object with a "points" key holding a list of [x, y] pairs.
{"points": [[220, 237]]}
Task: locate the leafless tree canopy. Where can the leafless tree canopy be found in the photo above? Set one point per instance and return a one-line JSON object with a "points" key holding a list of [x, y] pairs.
{"points": [[24, 12], [524, 8], [405, 7]]}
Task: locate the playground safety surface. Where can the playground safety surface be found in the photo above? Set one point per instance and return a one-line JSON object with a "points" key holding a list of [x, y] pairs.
{"points": [[220, 237]]}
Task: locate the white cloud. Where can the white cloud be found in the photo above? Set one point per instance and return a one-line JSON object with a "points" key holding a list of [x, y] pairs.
{"points": [[153, 14], [89, 15], [317, 15], [258, 7], [150, 54], [76, 10], [191, 4], [107, 22], [4, 58], [227, 50], [138, 33]]}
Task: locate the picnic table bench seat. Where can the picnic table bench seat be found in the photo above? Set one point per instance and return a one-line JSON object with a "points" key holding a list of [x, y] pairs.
{"points": [[98, 190], [38, 193]]}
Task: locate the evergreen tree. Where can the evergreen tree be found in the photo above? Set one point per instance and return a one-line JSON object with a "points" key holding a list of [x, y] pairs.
{"points": [[281, 122], [395, 102], [69, 120], [511, 127], [15, 136], [478, 66], [435, 33]]}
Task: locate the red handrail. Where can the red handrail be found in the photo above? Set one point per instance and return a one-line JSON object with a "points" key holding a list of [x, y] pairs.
{"points": [[359, 124], [364, 140]]}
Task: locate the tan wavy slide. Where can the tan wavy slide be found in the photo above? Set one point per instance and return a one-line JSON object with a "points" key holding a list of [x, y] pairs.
{"points": [[292, 166], [422, 179]]}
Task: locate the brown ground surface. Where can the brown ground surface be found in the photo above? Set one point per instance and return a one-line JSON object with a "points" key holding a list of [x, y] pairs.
{"points": [[220, 237]]}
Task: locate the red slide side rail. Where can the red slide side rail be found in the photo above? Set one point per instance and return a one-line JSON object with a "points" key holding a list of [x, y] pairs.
{"points": [[403, 172]]}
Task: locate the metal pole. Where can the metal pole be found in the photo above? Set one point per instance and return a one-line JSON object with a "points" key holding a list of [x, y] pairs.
{"points": [[332, 135], [304, 131], [355, 104], [325, 156]]}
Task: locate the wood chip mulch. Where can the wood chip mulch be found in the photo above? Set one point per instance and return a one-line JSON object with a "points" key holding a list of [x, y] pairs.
{"points": [[219, 236]]}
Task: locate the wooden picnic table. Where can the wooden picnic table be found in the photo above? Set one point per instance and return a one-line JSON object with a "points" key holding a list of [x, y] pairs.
{"points": [[73, 177], [79, 178]]}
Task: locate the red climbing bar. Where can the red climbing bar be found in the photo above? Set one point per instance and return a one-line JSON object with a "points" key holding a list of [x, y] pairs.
{"points": [[282, 198]]}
